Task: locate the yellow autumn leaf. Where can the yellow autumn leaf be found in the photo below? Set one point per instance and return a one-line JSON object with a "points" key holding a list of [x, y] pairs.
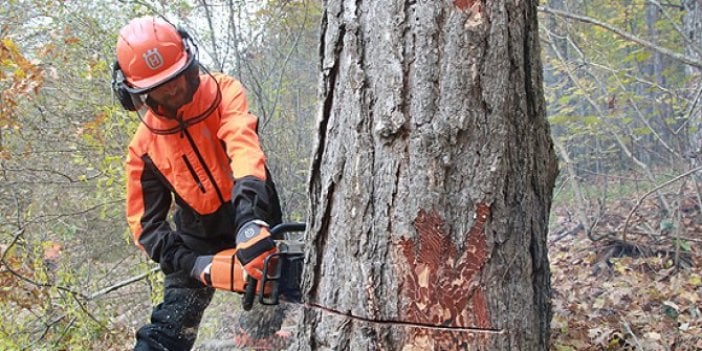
{"points": [[695, 280], [8, 44], [19, 73]]}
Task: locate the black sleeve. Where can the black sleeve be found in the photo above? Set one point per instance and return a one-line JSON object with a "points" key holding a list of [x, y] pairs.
{"points": [[157, 238], [254, 198]]}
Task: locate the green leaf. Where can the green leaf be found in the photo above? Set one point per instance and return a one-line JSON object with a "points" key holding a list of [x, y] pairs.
{"points": [[591, 121], [670, 309], [666, 225], [683, 245]]}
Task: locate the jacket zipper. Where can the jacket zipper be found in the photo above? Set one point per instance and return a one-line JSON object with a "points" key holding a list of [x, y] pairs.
{"points": [[192, 172], [204, 165]]}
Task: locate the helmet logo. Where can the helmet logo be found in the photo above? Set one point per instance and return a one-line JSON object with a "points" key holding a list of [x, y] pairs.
{"points": [[153, 59]]}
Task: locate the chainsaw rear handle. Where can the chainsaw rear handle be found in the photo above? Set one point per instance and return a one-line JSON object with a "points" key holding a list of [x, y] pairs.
{"points": [[277, 234]]}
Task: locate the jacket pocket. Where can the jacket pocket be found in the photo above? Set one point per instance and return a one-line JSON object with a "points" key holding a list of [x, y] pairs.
{"points": [[191, 169]]}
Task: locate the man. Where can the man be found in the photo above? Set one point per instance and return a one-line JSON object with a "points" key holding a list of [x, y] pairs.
{"points": [[197, 145]]}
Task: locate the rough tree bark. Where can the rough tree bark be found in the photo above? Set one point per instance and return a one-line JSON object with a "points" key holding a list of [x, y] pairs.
{"points": [[432, 179], [692, 25]]}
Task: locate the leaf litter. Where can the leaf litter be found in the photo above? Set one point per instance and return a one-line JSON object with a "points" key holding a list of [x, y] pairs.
{"points": [[640, 294]]}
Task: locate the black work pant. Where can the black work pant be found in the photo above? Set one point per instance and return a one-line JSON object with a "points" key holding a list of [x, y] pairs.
{"points": [[174, 322]]}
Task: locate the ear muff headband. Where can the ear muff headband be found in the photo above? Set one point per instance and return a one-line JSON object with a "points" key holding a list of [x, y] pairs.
{"points": [[127, 95]]}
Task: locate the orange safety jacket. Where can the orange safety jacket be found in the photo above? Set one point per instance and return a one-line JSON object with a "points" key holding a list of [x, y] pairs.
{"points": [[210, 161]]}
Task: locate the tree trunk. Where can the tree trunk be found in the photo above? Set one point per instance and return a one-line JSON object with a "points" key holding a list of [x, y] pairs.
{"points": [[431, 182], [692, 25]]}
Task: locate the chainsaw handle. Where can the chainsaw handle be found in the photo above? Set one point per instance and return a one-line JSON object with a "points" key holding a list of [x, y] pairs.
{"points": [[282, 228], [250, 294]]}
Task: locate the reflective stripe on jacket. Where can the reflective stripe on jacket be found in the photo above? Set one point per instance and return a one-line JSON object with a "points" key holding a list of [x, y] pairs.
{"points": [[203, 162]]}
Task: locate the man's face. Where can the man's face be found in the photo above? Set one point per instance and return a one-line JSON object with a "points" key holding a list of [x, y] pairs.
{"points": [[172, 94]]}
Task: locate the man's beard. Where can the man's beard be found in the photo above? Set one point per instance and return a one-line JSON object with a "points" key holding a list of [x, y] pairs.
{"points": [[180, 99], [171, 104]]}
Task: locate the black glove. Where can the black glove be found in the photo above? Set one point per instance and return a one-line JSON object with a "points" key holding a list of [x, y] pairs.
{"points": [[254, 244]]}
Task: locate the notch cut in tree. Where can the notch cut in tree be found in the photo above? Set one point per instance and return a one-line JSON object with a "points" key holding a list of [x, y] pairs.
{"points": [[431, 181]]}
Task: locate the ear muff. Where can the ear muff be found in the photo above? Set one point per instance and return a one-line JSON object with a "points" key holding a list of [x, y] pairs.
{"points": [[119, 89]]}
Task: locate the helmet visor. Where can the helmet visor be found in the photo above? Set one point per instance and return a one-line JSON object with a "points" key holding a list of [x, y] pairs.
{"points": [[143, 86]]}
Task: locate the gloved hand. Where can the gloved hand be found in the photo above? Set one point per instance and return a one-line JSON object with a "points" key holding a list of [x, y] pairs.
{"points": [[253, 245], [221, 271], [202, 268]]}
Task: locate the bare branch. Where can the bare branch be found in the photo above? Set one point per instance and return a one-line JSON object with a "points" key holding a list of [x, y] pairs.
{"points": [[618, 138], [69, 178], [53, 217], [40, 284], [122, 284], [15, 238], [640, 201], [628, 36], [672, 21]]}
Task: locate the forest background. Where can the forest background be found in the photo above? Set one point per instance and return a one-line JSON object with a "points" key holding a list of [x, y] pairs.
{"points": [[622, 82]]}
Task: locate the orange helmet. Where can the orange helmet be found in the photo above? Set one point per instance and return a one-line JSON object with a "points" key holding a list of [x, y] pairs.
{"points": [[150, 52]]}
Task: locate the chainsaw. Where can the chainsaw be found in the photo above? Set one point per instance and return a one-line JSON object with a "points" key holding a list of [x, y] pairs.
{"points": [[281, 270]]}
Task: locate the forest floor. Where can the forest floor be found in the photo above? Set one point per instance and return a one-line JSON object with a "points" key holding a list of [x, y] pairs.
{"points": [[640, 292]]}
